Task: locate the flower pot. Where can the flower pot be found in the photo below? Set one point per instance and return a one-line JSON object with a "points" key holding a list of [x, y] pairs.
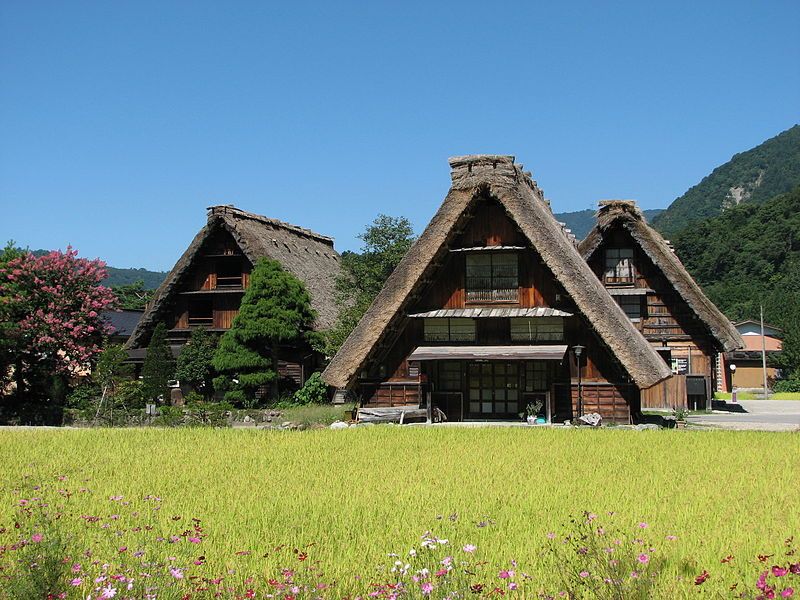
{"points": [[531, 420], [681, 424]]}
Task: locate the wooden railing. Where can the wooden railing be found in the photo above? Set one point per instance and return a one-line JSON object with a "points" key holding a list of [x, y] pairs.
{"points": [[487, 295], [229, 282]]}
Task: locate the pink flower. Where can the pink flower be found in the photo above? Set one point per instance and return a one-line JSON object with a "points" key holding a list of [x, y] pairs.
{"points": [[37, 537], [470, 548], [779, 571], [108, 592], [176, 573], [551, 536], [426, 588], [76, 568], [644, 559], [584, 573], [506, 574], [76, 582], [787, 592], [672, 538], [643, 525], [512, 585], [194, 540]]}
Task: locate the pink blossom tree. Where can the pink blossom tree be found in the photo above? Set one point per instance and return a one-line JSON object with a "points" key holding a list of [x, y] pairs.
{"points": [[51, 306]]}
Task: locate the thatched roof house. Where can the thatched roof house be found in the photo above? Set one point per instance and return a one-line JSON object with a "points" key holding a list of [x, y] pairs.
{"points": [[645, 276], [625, 214], [213, 272], [522, 226]]}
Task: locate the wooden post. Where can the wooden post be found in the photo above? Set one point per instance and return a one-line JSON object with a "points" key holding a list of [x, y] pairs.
{"points": [[428, 407]]}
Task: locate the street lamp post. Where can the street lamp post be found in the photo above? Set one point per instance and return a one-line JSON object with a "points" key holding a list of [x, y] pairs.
{"points": [[578, 350]]}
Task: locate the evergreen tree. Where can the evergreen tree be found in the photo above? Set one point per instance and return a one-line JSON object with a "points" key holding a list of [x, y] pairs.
{"points": [[275, 310], [195, 361], [158, 366]]}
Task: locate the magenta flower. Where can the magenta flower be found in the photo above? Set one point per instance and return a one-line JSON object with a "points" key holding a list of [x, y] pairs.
{"points": [[504, 574], [76, 582], [194, 540], [37, 537], [426, 588], [644, 559], [108, 592], [779, 571], [788, 592], [584, 573], [643, 525]]}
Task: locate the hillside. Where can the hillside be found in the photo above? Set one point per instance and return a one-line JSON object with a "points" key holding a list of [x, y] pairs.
{"points": [[151, 279], [747, 255], [581, 221], [753, 176]]}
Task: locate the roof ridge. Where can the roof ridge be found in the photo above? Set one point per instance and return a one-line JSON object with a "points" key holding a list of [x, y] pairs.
{"points": [[230, 209]]}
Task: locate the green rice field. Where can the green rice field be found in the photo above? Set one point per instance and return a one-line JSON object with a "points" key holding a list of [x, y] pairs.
{"points": [[344, 500]]}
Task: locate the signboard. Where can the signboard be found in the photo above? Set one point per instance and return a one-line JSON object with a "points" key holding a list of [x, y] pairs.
{"points": [[680, 366]]}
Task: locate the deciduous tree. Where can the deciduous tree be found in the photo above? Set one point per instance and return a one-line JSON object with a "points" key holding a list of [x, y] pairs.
{"points": [[158, 367]]}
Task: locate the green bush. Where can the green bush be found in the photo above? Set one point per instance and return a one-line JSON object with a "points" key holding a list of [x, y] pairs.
{"points": [[786, 385], [314, 391]]}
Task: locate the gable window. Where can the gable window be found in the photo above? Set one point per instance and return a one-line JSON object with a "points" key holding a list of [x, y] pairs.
{"points": [[540, 329], [449, 330], [619, 266], [632, 305], [492, 277]]}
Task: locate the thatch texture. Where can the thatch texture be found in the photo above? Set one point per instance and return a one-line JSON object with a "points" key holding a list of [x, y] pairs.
{"points": [[307, 255], [625, 213], [498, 177]]}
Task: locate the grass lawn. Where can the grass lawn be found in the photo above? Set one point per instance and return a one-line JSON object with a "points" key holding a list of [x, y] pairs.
{"points": [[348, 498], [757, 396]]}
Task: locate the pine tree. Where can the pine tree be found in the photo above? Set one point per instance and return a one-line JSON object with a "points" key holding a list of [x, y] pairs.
{"points": [[195, 361], [275, 311], [158, 367]]}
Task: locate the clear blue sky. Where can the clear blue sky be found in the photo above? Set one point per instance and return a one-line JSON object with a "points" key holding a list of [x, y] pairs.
{"points": [[120, 122]]}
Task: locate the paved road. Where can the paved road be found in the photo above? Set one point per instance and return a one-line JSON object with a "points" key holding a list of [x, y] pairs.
{"points": [[766, 415]]}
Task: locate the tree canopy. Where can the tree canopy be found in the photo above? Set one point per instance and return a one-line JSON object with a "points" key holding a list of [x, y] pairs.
{"points": [[158, 367], [385, 242]]}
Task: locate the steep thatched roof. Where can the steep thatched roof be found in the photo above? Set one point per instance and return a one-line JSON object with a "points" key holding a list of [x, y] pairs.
{"points": [[497, 177], [626, 214], [307, 255]]}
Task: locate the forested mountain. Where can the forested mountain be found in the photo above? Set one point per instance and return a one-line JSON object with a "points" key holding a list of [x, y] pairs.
{"points": [[582, 221], [150, 279], [748, 255], [754, 176]]}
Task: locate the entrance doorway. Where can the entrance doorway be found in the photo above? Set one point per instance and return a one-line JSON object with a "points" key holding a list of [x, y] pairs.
{"points": [[493, 390]]}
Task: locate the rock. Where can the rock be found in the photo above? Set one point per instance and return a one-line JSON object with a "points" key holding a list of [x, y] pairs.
{"points": [[591, 419], [269, 419], [302, 427], [247, 419], [643, 426], [339, 425]]}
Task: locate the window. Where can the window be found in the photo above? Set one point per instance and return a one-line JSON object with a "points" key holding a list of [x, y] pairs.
{"points": [[539, 329], [632, 305], [201, 311], [619, 266], [492, 277], [536, 376], [449, 330], [449, 376]]}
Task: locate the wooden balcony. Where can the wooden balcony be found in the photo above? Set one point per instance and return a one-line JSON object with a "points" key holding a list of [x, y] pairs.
{"points": [[489, 296]]}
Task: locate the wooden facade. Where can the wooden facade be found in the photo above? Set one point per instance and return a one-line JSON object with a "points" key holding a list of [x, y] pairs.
{"points": [[496, 388]]}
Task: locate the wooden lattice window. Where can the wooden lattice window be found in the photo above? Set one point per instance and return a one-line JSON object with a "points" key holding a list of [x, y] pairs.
{"points": [[492, 277], [538, 329], [632, 305], [449, 330], [619, 266]]}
